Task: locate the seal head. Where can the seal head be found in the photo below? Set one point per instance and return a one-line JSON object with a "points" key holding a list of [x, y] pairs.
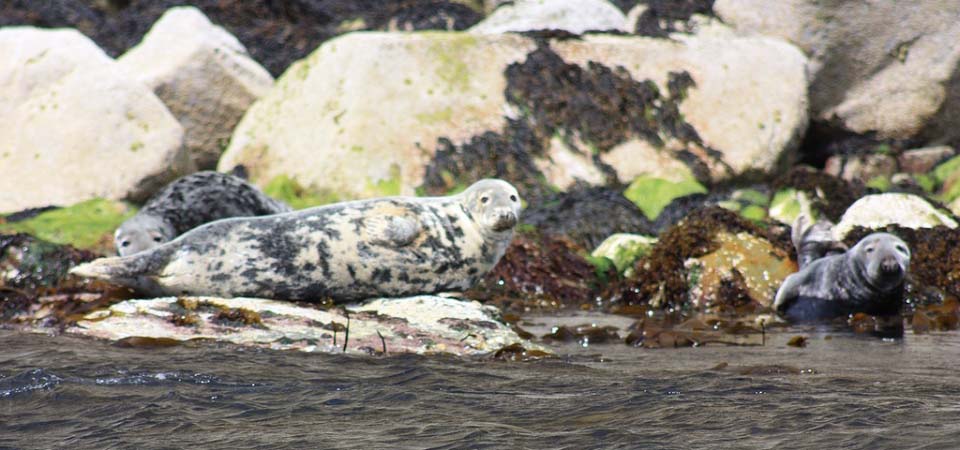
{"points": [[885, 260], [494, 205], [142, 232]]}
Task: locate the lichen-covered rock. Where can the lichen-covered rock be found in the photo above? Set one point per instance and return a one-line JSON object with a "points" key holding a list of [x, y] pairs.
{"points": [[449, 108], [624, 249], [904, 210], [884, 67], [574, 16], [74, 127], [204, 76], [423, 325]]}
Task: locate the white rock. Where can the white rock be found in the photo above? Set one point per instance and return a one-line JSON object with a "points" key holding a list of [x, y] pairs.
{"points": [[575, 16], [624, 249], [74, 127], [880, 210], [422, 324], [362, 115], [879, 66], [204, 76]]}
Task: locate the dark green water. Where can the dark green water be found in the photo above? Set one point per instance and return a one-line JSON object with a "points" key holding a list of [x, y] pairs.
{"points": [[843, 392]]}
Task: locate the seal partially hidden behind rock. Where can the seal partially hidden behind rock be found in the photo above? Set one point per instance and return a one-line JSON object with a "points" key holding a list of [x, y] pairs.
{"points": [[189, 202], [867, 278], [349, 251]]}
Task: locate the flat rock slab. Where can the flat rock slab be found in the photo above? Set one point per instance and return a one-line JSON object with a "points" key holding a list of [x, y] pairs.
{"points": [[422, 325]]}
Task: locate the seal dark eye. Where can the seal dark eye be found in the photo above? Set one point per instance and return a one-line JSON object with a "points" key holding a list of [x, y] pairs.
{"points": [[901, 249], [125, 244], [484, 199], [157, 239], [869, 249], [513, 198]]}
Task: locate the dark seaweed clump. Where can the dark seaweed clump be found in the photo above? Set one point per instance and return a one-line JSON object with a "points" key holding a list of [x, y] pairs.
{"points": [[275, 32], [588, 215], [541, 271], [661, 273], [596, 107], [838, 194], [663, 17], [34, 277]]}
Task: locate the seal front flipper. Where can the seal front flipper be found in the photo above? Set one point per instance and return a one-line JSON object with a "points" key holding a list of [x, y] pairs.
{"points": [[397, 231]]}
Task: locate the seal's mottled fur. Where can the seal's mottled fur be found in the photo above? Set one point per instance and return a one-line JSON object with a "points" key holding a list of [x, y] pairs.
{"points": [[347, 251], [189, 202], [867, 278]]}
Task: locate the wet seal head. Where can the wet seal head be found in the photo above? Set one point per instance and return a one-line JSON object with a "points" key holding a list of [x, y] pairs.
{"points": [[884, 260], [142, 232], [494, 205]]}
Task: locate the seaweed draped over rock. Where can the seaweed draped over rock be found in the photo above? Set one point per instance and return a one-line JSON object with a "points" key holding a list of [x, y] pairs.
{"points": [[596, 107], [541, 271], [663, 17], [588, 215], [660, 276], [276, 32]]}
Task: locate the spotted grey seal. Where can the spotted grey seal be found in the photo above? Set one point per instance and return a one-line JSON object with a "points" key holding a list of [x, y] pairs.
{"points": [[189, 202], [384, 247], [867, 278]]}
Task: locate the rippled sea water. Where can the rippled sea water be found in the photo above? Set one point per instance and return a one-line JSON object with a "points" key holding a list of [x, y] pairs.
{"points": [[841, 391]]}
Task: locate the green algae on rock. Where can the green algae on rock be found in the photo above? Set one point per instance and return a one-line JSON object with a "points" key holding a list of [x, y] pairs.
{"points": [[827, 194], [86, 225], [652, 194], [623, 250], [287, 190]]}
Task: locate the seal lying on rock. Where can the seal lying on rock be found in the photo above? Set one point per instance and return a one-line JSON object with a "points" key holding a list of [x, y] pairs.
{"points": [[867, 278], [189, 202], [386, 247]]}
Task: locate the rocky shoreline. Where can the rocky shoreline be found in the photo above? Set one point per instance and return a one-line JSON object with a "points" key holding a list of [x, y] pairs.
{"points": [[663, 150]]}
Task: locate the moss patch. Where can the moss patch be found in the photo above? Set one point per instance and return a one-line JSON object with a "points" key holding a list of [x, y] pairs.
{"points": [[828, 194], [86, 225], [449, 53], [623, 250], [653, 194], [288, 190]]}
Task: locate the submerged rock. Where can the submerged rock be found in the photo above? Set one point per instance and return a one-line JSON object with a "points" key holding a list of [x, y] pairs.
{"points": [[613, 107], [204, 76], [70, 114], [905, 210], [574, 16], [422, 324]]}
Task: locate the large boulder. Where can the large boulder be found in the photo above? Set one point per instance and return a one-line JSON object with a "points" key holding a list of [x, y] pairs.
{"points": [[903, 210], [204, 76], [74, 127], [372, 114], [889, 67], [575, 16]]}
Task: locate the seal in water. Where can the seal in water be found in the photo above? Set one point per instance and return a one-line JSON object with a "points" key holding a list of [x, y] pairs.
{"points": [[814, 241], [867, 278], [385, 247], [189, 202]]}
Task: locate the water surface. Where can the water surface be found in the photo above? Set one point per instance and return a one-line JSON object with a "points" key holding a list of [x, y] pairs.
{"points": [[841, 391]]}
